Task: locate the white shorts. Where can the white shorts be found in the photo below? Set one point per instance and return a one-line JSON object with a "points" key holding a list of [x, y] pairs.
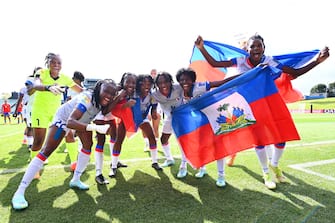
{"points": [[167, 125], [60, 124]]}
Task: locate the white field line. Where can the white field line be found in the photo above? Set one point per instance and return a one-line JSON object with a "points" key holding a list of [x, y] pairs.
{"points": [[311, 143], [302, 167]]}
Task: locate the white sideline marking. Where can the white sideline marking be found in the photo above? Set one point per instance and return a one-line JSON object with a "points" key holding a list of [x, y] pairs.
{"points": [[302, 167], [311, 143]]}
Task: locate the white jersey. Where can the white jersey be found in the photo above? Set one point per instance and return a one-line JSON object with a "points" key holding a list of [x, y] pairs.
{"points": [[170, 102], [71, 93], [243, 64], [146, 103], [198, 89], [83, 101]]}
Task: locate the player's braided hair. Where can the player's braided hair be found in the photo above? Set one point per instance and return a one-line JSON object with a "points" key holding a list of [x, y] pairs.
{"points": [[49, 57], [97, 88], [166, 75], [186, 71], [124, 77], [139, 81]]}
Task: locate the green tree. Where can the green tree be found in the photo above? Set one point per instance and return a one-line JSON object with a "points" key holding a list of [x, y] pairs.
{"points": [[319, 88], [331, 90]]}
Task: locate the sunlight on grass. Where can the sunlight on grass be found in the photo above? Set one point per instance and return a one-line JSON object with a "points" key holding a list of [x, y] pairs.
{"points": [[327, 169]]}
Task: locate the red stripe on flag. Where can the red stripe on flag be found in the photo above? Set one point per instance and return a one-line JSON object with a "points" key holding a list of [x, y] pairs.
{"points": [[273, 125], [206, 72], [288, 93]]}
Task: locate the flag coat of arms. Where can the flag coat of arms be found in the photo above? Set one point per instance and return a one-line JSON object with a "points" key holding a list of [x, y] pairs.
{"points": [[238, 115]]}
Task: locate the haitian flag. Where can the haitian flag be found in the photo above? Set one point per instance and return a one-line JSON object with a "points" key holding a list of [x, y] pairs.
{"points": [[240, 114], [130, 116], [220, 52]]}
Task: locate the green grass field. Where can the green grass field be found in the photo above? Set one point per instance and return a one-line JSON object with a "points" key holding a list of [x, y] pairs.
{"points": [[140, 194]]}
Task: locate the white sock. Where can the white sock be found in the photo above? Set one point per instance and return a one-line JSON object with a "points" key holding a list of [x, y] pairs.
{"points": [[220, 165], [99, 159], [277, 153], [269, 152], [82, 162], [153, 154], [263, 160], [34, 166], [203, 168], [167, 151], [30, 140], [183, 163], [115, 160]]}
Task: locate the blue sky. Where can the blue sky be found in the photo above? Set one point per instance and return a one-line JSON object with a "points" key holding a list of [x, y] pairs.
{"points": [[104, 39]]}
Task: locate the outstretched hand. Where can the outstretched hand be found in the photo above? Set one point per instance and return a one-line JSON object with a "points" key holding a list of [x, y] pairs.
{"points": [[323, 55], [56, 90], [129, 103], [199, 42]]}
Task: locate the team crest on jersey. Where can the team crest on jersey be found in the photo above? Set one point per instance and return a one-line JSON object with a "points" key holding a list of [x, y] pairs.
{"points": [[85, 99], [229, 114]]}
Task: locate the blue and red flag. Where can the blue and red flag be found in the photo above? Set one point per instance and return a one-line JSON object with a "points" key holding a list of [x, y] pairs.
{"points": [[130, 116], [238, 115], [220, 51]]}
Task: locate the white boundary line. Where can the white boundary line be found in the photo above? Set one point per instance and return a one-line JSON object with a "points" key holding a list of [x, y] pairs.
{"points": [[302, 167], [311, 143]]}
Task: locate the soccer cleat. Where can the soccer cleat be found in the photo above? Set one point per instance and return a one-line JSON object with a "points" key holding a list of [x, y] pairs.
{"points": [[220, 182], [268, 181], [231, 159], [156, 166], [201, 173], [119, 165], [19, 202], [101, 180], [182, 173], [73, 166], [278, 174], [78, 184], [112, 173], [168, 163]]}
